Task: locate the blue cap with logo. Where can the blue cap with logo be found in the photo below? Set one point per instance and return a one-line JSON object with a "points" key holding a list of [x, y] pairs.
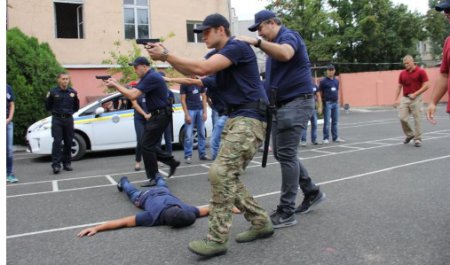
{"points": [[441, 6], [140, 61], [213, 21], [260, 17]]}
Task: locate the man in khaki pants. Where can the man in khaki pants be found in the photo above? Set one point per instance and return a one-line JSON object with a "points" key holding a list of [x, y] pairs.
{"points": [[414, 82]]}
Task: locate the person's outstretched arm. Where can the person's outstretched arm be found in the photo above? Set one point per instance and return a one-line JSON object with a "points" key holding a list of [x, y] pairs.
{"points": [[204, 210], [129, 221]]}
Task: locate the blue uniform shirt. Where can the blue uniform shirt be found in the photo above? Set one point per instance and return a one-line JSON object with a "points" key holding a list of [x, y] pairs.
{"points": [[155, 201], [240, 83], [10, 97], [62, 101], [330, 89], [193, 99], [217, 104], [154, 87], [291, 78], [142, 103]]}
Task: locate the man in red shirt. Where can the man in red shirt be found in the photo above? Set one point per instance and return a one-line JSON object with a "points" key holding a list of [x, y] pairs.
{"points": [[443, 82], [414, 82]]}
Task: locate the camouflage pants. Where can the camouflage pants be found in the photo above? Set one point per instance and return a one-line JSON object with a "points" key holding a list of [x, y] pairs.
{"points": [[241, 138]]}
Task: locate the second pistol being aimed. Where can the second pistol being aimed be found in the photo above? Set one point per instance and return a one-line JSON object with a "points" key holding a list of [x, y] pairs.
{"points": [[103, 77], [145, 41]]}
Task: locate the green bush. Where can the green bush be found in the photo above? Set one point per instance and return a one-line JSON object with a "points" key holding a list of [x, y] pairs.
{"points": [[31, 69]]}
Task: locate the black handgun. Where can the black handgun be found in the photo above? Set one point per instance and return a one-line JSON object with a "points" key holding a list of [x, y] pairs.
{"points": [[103, 77], [145, 41]]}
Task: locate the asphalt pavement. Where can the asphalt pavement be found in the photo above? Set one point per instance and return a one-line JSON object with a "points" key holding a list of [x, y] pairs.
{"points": [[387, 203]]}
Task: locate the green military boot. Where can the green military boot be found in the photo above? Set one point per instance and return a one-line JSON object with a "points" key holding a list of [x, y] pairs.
{"points": [[208, 248], [255, 233]]}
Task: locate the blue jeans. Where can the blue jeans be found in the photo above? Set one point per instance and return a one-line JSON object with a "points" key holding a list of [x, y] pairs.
{"points": [[216, 134], [290, 120], [139, 125], [313, 121], [197, 121], [133, 193], [331, 110], [214, 117], [9, 148]]}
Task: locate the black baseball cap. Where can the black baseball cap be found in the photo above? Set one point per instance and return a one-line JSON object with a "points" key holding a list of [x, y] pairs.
{"points": [[260, 17], [139, 61], [178, 217], [444, 5], [330, 67], [213, 21]]}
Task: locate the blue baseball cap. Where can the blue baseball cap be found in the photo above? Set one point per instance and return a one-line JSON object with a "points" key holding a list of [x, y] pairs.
{"points": [[177, 217], [444, 5], [213, 21], [140, 61], [260, 17]]}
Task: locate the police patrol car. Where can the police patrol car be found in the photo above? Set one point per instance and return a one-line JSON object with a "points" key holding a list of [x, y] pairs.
{"points": [[99, 127]]}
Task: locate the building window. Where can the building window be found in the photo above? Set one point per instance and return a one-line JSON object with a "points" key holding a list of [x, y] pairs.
{"points": [[136, 19], [69, 19], [191, 36]]}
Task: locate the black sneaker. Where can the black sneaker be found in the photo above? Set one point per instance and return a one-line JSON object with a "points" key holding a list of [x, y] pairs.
{"points": [[173, 168], [150, 183], [67, 167], [281, 219], [56, 169], [311, 201], [120, 183], [408, 139]]}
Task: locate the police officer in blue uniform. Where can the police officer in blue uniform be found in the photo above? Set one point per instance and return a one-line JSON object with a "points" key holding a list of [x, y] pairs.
{"points": [[151, 84], [62, 101], [288, 72]]}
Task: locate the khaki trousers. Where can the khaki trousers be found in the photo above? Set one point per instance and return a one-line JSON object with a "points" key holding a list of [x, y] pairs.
{"points": [[412, 107]]}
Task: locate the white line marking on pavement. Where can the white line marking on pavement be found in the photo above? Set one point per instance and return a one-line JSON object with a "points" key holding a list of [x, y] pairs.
{"points": [[323, 152], [354, 147], [256, 196], [256, 162], [55, 185], [326, 154], [108, 177], [51, 230], [204, 165]]}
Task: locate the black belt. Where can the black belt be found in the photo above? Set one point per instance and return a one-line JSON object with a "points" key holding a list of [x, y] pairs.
{"points": [[165, 110], [58, 115], [286, 101], [259, 106]]}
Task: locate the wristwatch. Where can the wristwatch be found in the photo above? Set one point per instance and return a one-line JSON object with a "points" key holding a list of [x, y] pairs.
{"points": [[258, 42], [165, 54]]}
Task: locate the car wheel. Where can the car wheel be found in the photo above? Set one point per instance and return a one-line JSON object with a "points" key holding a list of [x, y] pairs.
{"points": [[78, 147], [183, 136]]}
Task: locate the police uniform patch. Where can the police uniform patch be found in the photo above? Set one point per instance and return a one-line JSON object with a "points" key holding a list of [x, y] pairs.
{"points": [[72, 95]]}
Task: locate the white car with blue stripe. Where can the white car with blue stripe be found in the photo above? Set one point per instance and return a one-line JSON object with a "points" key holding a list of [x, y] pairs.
{"points": [[97, 129]]}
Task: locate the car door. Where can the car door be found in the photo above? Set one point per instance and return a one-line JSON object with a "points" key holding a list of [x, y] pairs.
{"points": [[114, 128]]}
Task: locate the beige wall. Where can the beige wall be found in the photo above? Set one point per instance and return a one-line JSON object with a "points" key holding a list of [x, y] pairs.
{"points": [[103, 25]]}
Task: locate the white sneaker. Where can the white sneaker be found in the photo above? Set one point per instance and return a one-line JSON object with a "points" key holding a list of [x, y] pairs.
{"points": [[325, 141], [187, 160], [303, 143], [339, 140]]}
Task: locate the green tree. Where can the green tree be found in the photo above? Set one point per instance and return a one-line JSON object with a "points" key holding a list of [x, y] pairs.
{"points": [[358, 35], [31, 68]]}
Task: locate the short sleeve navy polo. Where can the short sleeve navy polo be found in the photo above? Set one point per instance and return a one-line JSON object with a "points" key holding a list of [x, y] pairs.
{"points": [[154, 87], [291, 78]]}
